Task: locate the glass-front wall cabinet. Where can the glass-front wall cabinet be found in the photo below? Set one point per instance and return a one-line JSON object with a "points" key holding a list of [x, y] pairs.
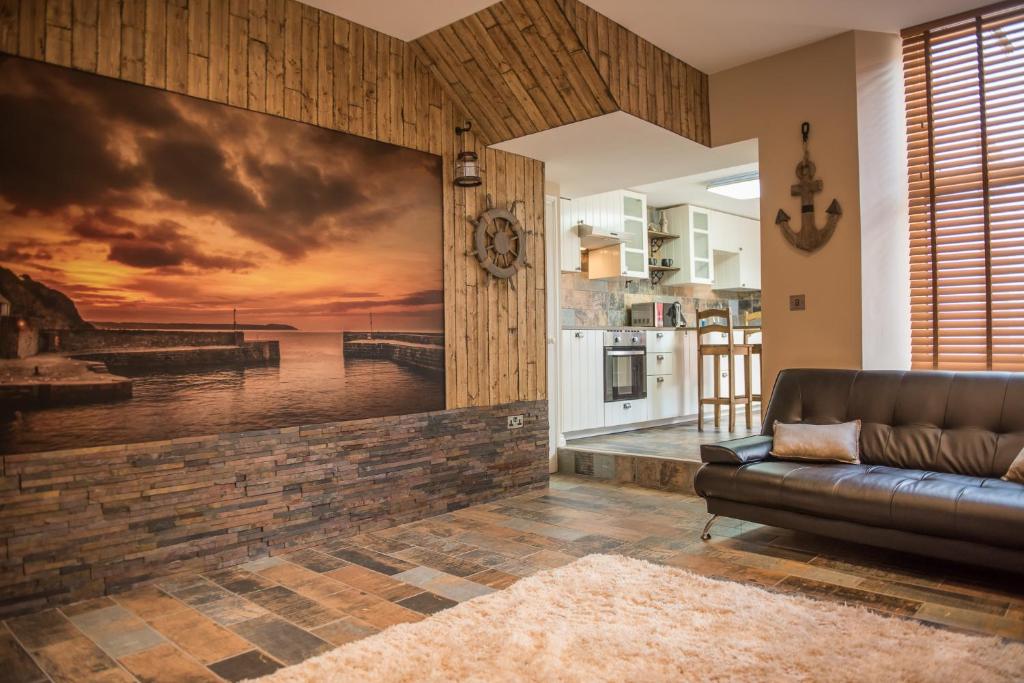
{"points": [[693, 251], [623, 215], [634, 224], [700, 236]]}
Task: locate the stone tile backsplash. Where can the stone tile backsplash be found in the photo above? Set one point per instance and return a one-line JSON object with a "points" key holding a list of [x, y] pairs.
{"points": [[606, 303]]}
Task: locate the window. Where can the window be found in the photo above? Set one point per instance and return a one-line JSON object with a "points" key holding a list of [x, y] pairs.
{"points": [[964, 79]]}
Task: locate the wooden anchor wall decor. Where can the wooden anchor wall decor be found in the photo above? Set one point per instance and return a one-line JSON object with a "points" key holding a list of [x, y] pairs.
{"points": [[499, 241], [810, 238]]}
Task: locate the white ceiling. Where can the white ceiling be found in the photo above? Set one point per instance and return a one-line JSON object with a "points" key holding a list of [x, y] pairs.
{"points": [[405, 19], [713, 35], [619, 150], [692, 189]]}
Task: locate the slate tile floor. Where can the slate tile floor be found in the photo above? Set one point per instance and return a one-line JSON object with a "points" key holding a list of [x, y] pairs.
{"points": [[249, 620], [680, 441]]}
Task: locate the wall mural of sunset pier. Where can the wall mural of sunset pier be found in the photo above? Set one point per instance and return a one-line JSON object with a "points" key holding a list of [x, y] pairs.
{"points": [[172, 267]]}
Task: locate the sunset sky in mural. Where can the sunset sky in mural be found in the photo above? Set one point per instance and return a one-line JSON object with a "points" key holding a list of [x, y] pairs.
{"points": [[145, 206]]}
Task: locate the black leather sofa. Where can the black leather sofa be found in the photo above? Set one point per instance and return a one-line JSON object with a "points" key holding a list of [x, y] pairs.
{"points": [[933, 448]]}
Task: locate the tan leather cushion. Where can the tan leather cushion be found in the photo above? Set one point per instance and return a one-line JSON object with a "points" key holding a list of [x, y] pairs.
{"points": [[824, 443], [1016, 471]]}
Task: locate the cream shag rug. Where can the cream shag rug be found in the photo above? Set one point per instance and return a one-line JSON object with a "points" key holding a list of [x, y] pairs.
{"points": [[609, 618]]}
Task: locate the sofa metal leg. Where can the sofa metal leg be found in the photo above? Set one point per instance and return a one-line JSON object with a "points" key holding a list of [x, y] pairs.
{"points": [[706, 534]]}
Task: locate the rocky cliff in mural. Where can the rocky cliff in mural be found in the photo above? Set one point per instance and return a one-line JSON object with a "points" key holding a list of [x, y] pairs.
{"points": [[50, 357], [44, 307]]}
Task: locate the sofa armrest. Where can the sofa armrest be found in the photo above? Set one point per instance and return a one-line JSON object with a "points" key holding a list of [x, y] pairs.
{"points": [[737, 451]]}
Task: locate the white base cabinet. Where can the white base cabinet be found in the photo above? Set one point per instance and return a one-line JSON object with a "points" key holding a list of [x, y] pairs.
{"points": [[582, 404], [664, 374], [665, 341], [671, 380], [625, 412], [661, 363], [688, 350], [663, 397]]}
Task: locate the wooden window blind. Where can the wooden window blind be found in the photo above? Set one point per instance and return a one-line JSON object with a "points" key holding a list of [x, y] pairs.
{"points": [[964, 81]]}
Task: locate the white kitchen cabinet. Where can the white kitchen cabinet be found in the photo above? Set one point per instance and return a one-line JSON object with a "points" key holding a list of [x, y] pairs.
{"points": [[688, 350], [664, 397], [664, 375], [737, 271], [661, 363], [692, 252], [736, 248], [619, 413], [582, 371], [755, 369], [662, 340], [597, 211], [620, 214], [570, 239]]}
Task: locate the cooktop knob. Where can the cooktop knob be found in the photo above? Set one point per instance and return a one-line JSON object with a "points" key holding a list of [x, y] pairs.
{"points": [[636, 340], [618, 339]]}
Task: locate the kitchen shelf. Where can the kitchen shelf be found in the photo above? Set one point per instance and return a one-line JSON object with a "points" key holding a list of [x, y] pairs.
{"points": [[658, 272], [661, 235], [658, 238]]}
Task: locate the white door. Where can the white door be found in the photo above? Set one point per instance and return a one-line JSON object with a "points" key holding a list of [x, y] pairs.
{"points": [[552, 243]]}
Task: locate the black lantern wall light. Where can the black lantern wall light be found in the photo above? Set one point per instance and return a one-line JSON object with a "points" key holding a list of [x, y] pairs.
{"points": [[467, 172], [498, 239]]}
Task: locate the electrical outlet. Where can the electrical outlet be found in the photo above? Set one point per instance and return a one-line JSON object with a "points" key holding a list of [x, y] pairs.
{"points": [[515, 421], [797, 302]]}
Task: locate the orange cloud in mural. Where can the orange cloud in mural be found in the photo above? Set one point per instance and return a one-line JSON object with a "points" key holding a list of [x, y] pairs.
{"points": [[144, 206]]}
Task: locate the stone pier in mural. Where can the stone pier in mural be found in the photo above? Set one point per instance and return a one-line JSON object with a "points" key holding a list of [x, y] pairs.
{"points": [[50, 357], [424, 351]]}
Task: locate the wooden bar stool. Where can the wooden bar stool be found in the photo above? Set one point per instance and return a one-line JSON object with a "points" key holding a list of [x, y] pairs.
{"points": [[718, 320], [752, 318]]}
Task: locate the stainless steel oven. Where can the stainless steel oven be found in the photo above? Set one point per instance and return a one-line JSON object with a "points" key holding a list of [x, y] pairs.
{"points": [[625, 365]]}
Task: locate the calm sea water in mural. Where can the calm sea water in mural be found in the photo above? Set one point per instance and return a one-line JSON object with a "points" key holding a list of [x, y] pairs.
{"points": [[174, 267], [313, 384]]}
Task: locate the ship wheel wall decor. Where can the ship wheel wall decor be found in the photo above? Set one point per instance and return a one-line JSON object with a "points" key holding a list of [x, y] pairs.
{"points": [[499, 241]]}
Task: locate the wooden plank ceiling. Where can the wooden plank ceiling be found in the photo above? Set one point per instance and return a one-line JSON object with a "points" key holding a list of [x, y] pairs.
{"points": [[523, 66]]}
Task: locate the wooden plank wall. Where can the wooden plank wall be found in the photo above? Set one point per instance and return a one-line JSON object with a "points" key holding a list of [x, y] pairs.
{"points": [[291, 60], [523, 66], [645, 81], [519, 67]]}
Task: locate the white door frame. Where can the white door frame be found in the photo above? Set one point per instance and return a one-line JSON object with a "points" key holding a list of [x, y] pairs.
{"points": [[552, 307]]}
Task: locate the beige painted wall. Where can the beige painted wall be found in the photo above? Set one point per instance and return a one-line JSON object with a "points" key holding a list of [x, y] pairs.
{"points": [[768, 99], [885, 232]]}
